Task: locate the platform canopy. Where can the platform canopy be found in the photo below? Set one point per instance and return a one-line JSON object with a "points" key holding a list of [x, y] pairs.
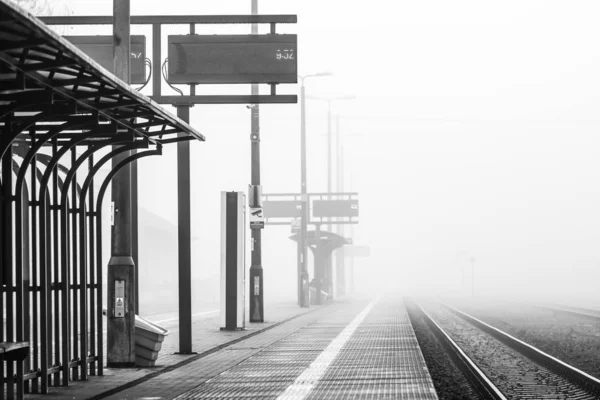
{"points": [[45, 81]]}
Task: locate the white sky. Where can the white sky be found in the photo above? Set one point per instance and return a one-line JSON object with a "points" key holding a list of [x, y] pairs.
{"points": [[474, 134]]}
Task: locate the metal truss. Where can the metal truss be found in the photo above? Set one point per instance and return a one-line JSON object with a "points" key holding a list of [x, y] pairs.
{"points": [[157, 21]]}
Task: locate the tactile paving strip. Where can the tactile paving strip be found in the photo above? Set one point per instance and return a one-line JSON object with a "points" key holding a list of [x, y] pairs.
{"points": [[380, 360]]}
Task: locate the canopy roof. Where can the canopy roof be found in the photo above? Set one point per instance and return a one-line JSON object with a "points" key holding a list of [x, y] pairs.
{"points": [[45, 81]]}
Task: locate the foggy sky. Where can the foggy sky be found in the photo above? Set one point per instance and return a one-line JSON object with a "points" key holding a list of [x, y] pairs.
{"points": [[475, 133]]}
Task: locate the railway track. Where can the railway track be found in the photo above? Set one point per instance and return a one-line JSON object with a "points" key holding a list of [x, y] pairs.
{"points": [[593, 313], [502, 366]]}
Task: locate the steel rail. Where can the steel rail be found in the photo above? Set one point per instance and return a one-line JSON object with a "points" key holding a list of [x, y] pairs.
{"points": [[472, 372], [572, 374], [589, 313]]}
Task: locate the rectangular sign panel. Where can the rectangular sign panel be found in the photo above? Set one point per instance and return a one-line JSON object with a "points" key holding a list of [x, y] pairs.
{"points": [[257, 220], [100, 49], [282, 209], [218, 59], [335, 208]]}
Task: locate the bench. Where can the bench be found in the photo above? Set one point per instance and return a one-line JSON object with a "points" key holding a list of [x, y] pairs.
{"points": [[14, 351]]}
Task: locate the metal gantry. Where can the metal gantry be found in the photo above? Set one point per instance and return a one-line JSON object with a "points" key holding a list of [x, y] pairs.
{"points": [[62, 118], [322, 244], [291, 208]]}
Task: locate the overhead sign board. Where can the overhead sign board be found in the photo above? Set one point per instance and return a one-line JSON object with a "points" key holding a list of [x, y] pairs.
{"points": [[221, 59], [100, 49], [335, 208], [282, 208]]}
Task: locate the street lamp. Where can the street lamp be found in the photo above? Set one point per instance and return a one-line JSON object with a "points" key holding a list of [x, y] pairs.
{"points": [[329, 100], [303, 281], [340, 258]]}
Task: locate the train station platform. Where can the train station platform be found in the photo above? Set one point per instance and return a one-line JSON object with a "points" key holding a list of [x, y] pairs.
{"points": [[352, 348]]}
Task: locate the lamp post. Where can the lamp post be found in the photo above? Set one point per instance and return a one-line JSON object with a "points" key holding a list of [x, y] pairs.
{"points": [[303, 278], [340, 168], [329, 100]]}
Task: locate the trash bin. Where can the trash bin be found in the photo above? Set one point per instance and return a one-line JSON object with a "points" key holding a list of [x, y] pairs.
{"points": [[313, 296], [148, 341]]}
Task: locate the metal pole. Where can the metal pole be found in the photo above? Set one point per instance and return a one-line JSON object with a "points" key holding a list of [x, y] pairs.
{"points": [[184, 238], [340, 255], [319, 265], [338, 273], [121, 268], [337, 157], [134, 233], [329, 138], [303, 289], [351, 269], [256, 269]]}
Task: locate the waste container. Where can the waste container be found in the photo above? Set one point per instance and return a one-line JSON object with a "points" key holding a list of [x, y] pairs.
{"points": [[148, 341], [313, 296]]}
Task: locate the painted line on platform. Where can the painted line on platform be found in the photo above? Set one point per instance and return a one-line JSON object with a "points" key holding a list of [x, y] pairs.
{"points": [[309, 378]]}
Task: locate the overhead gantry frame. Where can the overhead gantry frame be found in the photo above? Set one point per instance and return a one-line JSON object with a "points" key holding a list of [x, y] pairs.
{"points": [[62, 118], [322, 244]]}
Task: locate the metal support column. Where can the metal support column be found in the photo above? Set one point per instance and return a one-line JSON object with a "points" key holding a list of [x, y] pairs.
{"points": [[134, 234], [351, 277], [7, 267], [121, 268], [329, 275], [319, 266], [256, 269], [184, 238], [303, 277], [340, 276], [329, 172], [341, 253]]}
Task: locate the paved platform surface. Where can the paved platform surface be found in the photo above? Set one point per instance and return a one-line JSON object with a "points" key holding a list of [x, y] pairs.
{"points": [[207, 338], [360, 348]]}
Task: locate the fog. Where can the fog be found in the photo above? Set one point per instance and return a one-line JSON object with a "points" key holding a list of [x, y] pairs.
{"points": [[473, 141]]}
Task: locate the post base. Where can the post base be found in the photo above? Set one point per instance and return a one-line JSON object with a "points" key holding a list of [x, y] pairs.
{"points": [[121, 365]]}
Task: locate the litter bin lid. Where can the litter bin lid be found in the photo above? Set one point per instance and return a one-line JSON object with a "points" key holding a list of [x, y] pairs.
{"points": [[143, 323]]}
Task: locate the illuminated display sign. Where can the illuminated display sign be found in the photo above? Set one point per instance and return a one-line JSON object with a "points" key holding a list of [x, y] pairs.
{"points": [[100, 49], [222, 59]]}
